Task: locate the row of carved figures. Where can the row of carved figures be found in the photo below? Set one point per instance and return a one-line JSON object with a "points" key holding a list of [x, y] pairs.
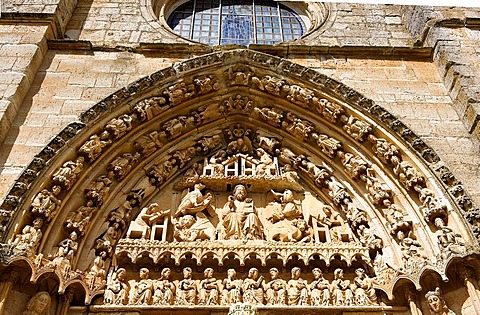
{"points": [[254, 289], [40, 303]]}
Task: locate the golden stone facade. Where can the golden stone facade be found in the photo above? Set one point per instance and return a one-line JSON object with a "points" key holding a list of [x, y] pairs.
{"points": [[235, 181]]}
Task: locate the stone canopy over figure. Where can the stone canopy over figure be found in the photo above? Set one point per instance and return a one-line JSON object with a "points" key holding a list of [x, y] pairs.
{"points": [[240, 220]]}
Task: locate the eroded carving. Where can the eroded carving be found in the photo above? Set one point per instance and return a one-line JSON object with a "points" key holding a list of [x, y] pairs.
{"points": [[46, 203], [66, 175], [39, 304], [117, 289], [356, 128]]}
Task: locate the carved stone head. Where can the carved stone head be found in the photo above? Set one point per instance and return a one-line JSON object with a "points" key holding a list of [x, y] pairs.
{"points": [[39, 304]]}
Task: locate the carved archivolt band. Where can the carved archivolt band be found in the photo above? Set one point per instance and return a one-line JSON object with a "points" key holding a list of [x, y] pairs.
{"points": [[325, 118]]}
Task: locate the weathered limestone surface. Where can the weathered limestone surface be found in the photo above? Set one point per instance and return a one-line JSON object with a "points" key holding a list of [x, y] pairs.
{"points": [[58, 58]]}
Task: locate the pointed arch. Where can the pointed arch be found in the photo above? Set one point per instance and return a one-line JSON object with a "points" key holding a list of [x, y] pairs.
{"points": [[350, 154]]}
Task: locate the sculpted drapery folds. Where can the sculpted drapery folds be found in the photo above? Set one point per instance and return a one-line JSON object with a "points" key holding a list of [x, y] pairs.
{"points": [[232, 288], [163, 289], [117, 289], [320, 289], [196, 206], [341, 290], [253, 287], [187, 289], [297, 289], [143, 289], [208, 289], [239, 217], [307, 162], [275, 289]]}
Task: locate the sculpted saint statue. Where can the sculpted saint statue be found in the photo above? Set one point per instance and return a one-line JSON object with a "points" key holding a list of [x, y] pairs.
{"points": [[39, 304], [208, 293], [437, 304], [341, 291], [297, 290], [364, 291], [116, 291], [275, 289], [240, 220], [199, 207], [164, 289], [231, 288], [142, 294], [253, 287], [46, 203], [320, 293], [187, 289], [27, 242]]}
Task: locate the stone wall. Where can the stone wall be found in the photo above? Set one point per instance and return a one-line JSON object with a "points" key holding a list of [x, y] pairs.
{"points": [[432, 88]]}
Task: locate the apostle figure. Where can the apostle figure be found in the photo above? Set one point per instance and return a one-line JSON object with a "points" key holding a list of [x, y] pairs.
{"points": [[187, 289], [275, 289], [164, 289], [208, 289], [297, 290], [142, 294], [341, 291], [253, 288], [364, 291], [116, 291], [319, 287], [231, 288]]}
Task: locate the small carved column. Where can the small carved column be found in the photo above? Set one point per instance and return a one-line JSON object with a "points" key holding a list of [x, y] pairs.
{"points": [[468, 275], [65, 301], [411, 296], [7, 282]]}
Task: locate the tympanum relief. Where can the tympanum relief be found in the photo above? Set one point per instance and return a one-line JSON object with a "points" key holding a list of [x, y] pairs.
{"points": [[271, 209]]}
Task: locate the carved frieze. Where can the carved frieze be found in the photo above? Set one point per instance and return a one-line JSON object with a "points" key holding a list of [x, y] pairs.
{"points": [[245, 195]]}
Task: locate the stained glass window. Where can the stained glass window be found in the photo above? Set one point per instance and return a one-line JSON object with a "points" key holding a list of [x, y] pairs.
{"points": [[242, 22]]}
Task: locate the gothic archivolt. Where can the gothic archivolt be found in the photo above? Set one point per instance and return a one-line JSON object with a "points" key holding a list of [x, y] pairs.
{"points": [[240, 178]]}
